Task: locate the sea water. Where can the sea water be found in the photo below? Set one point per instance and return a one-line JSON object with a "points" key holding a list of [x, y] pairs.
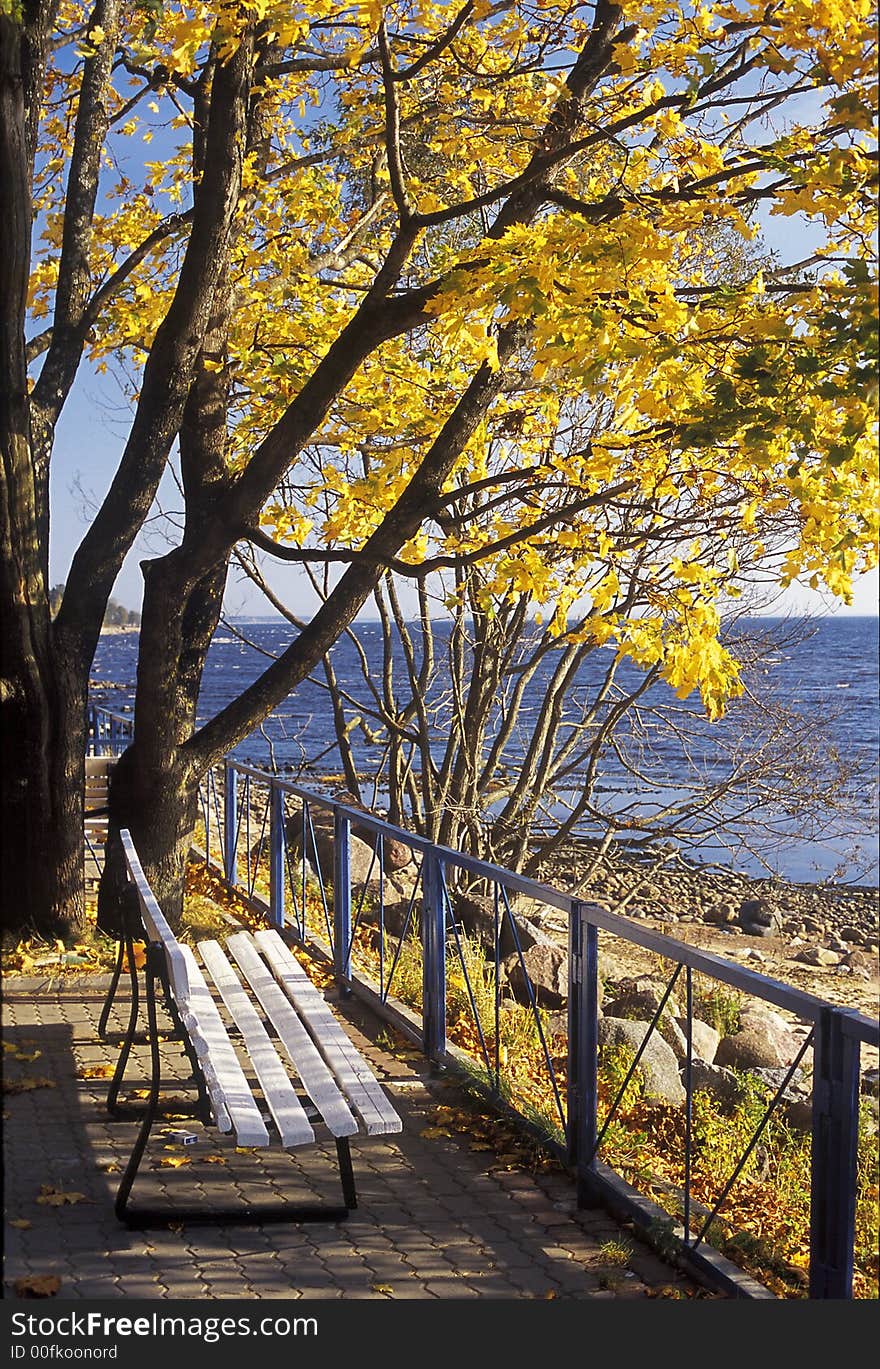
{"points": [[825, 672]]}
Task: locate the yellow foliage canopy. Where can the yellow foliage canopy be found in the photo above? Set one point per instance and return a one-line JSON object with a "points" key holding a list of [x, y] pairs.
{"points": [[572, 199]]}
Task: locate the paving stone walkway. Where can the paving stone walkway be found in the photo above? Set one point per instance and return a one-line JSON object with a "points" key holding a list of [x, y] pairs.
{"points": [[437, 1218]]}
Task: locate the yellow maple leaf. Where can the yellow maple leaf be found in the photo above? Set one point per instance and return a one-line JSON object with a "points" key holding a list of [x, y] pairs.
{"points": [[37, 1286], [55, 1197], [95, 1071], [26, 1085]]}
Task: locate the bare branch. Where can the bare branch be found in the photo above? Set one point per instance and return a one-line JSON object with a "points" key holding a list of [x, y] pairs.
{"points": [[392, 131]]}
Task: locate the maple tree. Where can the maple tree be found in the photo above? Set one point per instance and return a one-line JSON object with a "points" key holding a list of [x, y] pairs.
{"points": [[381, 252]]}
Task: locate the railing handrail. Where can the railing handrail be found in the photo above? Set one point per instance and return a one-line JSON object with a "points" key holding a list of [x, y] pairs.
{"points": [[98, 710], [775, 991]]}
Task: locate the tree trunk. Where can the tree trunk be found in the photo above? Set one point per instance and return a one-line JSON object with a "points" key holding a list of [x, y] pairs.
{"points": [[41, 775], [159, 809], [41, 793], [155, 785]]}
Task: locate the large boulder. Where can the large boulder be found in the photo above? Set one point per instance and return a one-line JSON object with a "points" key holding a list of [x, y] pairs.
{"points": [[704, 1039], [758, 917], [754, 1048], [476, 914], [395, 855], [363, 865], [760, 1017], [657, 1068], [639, 999], [546, 964], [820, 956], [723, 1084], [861, 964]]}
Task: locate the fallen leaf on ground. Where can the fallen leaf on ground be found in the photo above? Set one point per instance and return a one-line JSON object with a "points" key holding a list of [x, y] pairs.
{"points": [[21, 1223], [95, 1072], [26, 1085], [54, 1197], [27, 1056], [213, 1159], [173, 1161], [382, 1288], [37, 1286], [432, 1133]]}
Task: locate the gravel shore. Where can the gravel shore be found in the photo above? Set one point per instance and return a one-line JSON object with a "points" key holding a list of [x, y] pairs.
{"points": [[823, 939]]}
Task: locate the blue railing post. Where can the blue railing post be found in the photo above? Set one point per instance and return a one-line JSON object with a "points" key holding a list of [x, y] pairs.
{"points": [[433, 957], [230, 825], [583, 1049], [341, 901], [834, 1156], [205, 791], [276, 855]]}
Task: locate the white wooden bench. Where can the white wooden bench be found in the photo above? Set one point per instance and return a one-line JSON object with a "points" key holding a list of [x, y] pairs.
{"points": [[268, 1056], [96, 796]]}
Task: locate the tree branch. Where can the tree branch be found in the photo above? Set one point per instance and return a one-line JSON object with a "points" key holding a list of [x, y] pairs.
{"points": [[74, 275], [392, 131], [438, 46], [170, 366], [235, 721]]}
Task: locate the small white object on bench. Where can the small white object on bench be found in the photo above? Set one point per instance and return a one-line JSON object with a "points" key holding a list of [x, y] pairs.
{"points": [[290, 1041]]}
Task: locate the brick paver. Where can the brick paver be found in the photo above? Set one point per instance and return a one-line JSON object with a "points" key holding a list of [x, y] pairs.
{"points": [[434, 1220]]}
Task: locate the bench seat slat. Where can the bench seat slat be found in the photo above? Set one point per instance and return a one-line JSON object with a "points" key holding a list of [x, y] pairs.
{"points": [[317, 1080], [287, 1111], [219, 1062], [342, 1056]]}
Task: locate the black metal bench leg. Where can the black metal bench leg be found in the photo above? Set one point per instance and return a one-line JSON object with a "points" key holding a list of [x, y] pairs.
{"points": [[343, 1152], [131, 1169], [119, 1072], [111, 992]]}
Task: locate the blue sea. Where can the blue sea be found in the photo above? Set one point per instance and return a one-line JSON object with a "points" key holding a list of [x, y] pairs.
{"points": [[825, 673]]}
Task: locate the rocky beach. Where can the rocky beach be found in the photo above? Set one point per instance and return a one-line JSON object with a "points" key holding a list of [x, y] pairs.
{"points": [[822, 938]]}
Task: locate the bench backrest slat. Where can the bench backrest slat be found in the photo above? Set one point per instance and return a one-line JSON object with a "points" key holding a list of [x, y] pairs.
{"points": [[156, 927]]}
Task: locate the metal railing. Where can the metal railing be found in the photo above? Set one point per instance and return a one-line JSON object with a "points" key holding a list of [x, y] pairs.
{"points": [[289, 852], [107, 733], [400, 920]]}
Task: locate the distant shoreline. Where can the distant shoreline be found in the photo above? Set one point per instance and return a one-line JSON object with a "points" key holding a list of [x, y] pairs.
{"points": [[112, 629]]}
